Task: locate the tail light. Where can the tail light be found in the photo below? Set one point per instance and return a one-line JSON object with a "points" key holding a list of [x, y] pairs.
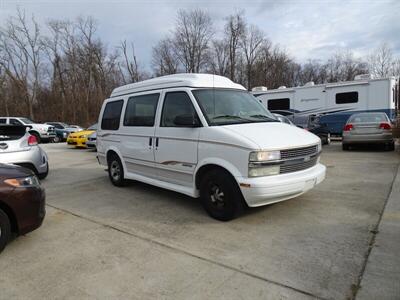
{"points": [[385, 126], [348, 127], [32, 141]]}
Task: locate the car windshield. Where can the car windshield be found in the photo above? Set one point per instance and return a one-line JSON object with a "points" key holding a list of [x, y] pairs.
{"points": [[93, 127], [27, 121], [368, 118], [224, 107]]}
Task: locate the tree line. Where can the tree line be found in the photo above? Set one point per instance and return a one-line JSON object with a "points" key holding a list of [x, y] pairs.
{"points": [[64, 71]]}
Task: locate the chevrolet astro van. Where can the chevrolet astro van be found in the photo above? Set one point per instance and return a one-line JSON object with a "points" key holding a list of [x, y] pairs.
{"points": [[205, 136]]}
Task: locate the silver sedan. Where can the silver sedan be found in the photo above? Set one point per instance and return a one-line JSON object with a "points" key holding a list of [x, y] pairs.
{"points": [[368, 128], [19, 147]]}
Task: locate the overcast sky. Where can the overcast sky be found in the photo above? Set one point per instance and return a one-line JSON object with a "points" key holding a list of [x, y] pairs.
{"points": [[306, 29]]}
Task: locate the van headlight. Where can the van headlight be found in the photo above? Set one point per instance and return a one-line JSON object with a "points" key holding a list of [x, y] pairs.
{"points": [[258, 171], [264, 155], [319, 147]]}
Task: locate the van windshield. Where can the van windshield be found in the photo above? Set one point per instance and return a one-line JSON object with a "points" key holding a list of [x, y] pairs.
{"points": [[224, 107]]}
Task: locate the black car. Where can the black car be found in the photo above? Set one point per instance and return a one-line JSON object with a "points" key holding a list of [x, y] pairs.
{"points": [[314, 125]]}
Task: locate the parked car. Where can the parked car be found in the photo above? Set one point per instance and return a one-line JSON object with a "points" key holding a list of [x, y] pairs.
{"points": [[299, 120], [22, 202], [368, 128], [283, 119], [62, 131], [76, 127], [42, 132], [19, 147], [91, 140], [79, 139], [205, 136], [314, 125]]}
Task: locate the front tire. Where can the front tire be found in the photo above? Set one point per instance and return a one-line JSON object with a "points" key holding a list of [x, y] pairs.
{"points": [[116, 171], [345, 147], [327, 139], [5, 230], [221, 196], [57, 139]]}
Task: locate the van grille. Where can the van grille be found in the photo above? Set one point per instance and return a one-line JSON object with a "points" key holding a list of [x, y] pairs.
{"points": [[298, 166], [299, 152]]}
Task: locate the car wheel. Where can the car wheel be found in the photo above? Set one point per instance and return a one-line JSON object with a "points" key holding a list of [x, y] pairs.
{"points": [[328, 139], [221, 196], [57, 139], [116, 171], [5, 230], [391, 146], [44, 175], [345, 147]]}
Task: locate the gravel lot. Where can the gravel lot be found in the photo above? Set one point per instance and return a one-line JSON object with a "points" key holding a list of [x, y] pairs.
{"points": [[142, 242]]}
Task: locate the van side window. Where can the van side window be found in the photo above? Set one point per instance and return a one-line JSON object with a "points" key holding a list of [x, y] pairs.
{"points": [[344, 98], [279, 104], [141, 110], [175, 104], [112, 115], [3, 121]]}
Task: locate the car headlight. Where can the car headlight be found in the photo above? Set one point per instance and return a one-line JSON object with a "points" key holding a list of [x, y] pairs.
{"points": [[30, 181], [82, 136], [265, 155], [319, 146]]}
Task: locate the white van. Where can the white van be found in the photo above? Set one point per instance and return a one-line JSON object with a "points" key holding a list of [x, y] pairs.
{"points": [[205, 136]]}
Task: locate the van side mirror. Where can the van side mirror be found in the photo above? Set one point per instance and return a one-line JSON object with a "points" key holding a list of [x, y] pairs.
{"points": [[187, 120]]}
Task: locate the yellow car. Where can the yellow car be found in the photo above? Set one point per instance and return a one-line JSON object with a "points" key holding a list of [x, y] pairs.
{"points": [[78, 139]]}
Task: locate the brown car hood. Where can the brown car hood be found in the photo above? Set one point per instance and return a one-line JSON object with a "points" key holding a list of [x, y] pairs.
{"points": [[12, 171]]}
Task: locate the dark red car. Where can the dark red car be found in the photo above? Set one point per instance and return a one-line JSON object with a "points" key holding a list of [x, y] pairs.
{"points": [[22, 202]]}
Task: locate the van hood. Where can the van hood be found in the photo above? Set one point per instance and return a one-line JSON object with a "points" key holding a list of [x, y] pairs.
{"points": [[274, 135]]}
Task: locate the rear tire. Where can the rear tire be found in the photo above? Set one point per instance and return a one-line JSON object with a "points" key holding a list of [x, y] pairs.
{"points": [[345, 147], [116, 171], [57, 139], [5, 230], [390, 147], [220, 195]]}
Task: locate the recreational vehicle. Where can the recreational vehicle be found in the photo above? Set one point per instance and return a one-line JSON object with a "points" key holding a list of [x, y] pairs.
{"points": [[334, 102]]}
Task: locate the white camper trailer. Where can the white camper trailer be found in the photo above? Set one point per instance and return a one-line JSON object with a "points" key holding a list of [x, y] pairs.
{"points": [[335, 102]]}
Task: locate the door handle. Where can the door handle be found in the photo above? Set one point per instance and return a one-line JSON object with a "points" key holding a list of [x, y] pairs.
{"points": [[150, 141], [156, 142]]}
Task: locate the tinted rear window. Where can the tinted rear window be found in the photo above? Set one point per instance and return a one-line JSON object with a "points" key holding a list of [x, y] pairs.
{"points": [[368, 118], [10, 132], [112, 115]]}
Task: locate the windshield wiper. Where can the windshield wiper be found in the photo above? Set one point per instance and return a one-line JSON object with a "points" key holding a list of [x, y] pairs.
{"points": [[229, 117], [264, 117]]}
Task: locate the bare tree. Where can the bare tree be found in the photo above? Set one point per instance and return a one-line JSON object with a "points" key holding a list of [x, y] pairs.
{"points": [[219, 57], [381, 61], [21, 54], [130, 63], [164, 60], [251, 43], [192, 34], [234, 30]]}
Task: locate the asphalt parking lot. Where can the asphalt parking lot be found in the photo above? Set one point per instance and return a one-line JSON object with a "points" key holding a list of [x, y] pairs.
{"points": [[142, 242]]}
